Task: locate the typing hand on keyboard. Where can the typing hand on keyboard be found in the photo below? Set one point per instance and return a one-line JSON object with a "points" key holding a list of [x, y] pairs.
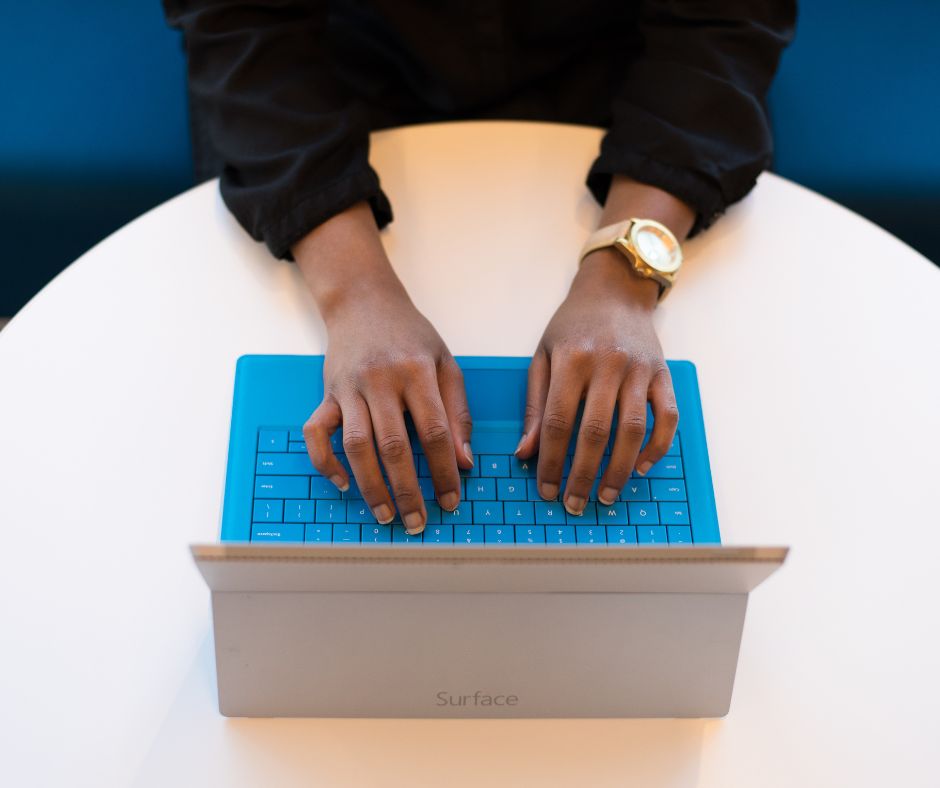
{"points": [[383, 358], [600, 347]]}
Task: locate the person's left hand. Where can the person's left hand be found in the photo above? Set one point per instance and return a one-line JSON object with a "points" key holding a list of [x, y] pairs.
{"points": [[600, 346]]}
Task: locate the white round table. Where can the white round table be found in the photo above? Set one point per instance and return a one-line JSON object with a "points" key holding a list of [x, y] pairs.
{"points": [[815, 337]]}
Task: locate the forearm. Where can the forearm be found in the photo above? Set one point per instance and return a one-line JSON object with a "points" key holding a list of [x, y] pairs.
{"points": [[629, 198], [343, 261]]}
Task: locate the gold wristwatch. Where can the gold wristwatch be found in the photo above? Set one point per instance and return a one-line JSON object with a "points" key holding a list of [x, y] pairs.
{"points": [[649, 246]]}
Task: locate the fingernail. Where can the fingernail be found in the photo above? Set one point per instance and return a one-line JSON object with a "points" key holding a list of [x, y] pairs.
{"points": [[414, 523], [468, 452], [643, 467], [521, 441], [449, 501], [549, 491], [574, 504], [338, 481], [383, 513], [607, 496]]}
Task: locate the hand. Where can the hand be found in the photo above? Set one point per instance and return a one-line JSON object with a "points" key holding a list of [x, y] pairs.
{"points": [[601, 346], [383, 358]]}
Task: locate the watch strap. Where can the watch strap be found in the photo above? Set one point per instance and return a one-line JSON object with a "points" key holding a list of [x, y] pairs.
{"points": [[605, 236]]}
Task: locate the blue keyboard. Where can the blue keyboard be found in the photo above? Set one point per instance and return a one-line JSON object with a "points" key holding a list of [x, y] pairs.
{"points": [[499, 503]]}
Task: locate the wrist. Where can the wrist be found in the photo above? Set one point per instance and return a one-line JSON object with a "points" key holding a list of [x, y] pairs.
{"points": [[345, 266], [606, 272]]}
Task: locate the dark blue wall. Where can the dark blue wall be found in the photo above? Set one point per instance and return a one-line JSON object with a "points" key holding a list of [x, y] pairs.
{"points": [[93, 128]]}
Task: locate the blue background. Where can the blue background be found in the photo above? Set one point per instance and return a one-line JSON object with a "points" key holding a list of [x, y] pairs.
{"points": [[93, 123]]}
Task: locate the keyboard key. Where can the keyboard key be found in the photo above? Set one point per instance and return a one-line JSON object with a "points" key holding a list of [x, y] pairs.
{"points": [[336, 441], [494, 465], [284, 465], [399, 534], [547, 513], [673, 450], [674, 514], [522, 513], [296, 447], [495, 442], [296, 436], [331, 511], [376, 533], [272, 440], [636, 490], [560, 534], [462, 515], [530, 534], [427, 488], [667, 489], [613, 514], [347, 532], [319, 532], [591, 534], [359, 512], [510, 489], [298, 511], [651, 534], [268, 512], [643, 513], [666, 468], [532, 490], [679, 534], [621, 534], [472, 471], [499, 534], [277, 532], [353, 493], [323, 488], [487, 512], [481, 489], [468, 534], [522, 469], [282, 486], [439, 533], [422, 465], [434, 512], [587, 517]]}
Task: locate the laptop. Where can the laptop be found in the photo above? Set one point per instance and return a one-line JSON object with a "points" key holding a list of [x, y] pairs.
{"points": [[506, 607]]}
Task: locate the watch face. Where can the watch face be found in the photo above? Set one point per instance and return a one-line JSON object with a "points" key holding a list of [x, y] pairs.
{"points": [[657, 247]]}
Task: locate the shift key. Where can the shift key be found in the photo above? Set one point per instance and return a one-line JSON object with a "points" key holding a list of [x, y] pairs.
{"points": [[282, 487]]}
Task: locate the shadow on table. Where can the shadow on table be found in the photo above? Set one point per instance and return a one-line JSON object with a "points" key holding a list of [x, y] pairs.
{"points": [[195, 745]]}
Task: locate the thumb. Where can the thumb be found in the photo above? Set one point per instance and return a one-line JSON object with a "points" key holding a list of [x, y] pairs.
{"points": [[536, 394]]}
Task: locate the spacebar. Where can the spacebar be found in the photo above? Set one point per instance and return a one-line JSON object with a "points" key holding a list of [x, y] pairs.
{"points": [[489, 441]]}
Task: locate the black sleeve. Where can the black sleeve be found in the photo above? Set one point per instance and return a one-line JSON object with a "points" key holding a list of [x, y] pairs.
{"points": [[690, 117], [294, 146]]}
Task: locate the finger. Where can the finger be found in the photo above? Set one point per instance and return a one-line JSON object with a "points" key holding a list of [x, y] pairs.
{"points": [[454, 397], [360, 449], [630, 431], [536, 394], [323, 422], [561, 410], [391, 437], [593, 435], [423, 400], [662, 398]]}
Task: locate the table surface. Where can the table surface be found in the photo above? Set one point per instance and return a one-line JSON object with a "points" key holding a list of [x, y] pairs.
{"points": [[814, 333]]}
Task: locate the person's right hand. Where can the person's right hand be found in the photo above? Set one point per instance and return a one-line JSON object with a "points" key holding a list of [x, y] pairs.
{"points": [[383, 358]]}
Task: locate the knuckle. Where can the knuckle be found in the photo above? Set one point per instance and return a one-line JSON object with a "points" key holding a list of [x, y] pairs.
{"points": [[633, 426], [355, 442], [617, 471], [581, 479], [594, 432], [392, 447], [464, 420], [435, 435], [556, 426], [406, 497], [670, 414]]}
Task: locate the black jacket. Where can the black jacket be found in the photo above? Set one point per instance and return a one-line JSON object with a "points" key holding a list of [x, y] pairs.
{"points": [[284, 93]]}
